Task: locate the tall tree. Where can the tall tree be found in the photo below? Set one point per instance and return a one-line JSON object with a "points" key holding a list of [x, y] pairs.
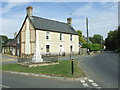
{"points": [[96, 39], [81, 38]]}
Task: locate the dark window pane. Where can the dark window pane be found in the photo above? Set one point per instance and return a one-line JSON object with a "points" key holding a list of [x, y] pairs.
{"points": [[47, 48]]}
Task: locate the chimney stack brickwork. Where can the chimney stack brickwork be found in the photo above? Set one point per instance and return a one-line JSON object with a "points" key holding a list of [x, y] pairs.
{"points": [[69, 21], [29, 10]]}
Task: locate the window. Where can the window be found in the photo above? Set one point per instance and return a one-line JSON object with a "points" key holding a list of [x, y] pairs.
{"points": [[60, 48], [47, 35], [18, 39], [60, 36], [71, 48], [71, 37], [47, 48]]}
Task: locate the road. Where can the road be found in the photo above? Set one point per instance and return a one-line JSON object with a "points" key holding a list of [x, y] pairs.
{"points": [[101, 68], [5, 59]]}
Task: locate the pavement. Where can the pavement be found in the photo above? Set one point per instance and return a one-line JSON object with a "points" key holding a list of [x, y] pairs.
{"points": [[101, 70]]}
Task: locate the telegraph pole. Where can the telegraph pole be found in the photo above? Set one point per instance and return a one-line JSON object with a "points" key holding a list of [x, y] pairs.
{"points": [[87, 35]]}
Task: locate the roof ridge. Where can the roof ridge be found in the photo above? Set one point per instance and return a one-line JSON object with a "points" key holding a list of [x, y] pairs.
{"points": [[50, 20]]}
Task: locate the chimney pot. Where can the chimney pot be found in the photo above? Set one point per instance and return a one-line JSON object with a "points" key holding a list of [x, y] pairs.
{"points": [[69, 21], [29, 10]]}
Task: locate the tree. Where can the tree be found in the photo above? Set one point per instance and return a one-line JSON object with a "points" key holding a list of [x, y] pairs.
{"points": [[96, 39], [81, 38], [112, 40], [3, 39]]}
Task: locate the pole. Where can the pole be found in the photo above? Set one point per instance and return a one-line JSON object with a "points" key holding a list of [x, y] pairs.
{"points": [[87, 34], [101, 44], [72, 68]]}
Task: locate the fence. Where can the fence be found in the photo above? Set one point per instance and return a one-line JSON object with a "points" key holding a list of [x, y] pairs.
{"points": [[51, 56], [28, 58], [82, 51]]}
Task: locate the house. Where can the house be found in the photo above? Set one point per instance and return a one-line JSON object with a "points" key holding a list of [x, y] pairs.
{"points": [[9, 47], [54, 37]]}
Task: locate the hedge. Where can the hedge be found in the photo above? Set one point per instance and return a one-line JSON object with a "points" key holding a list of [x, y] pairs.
{"points": [[92, 47]]}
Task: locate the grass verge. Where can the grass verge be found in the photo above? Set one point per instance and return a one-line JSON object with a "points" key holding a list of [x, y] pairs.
{"points": [[62, 69]]}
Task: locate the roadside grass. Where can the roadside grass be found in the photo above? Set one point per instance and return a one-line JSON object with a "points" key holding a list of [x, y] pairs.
{"points": [[62, 69]]}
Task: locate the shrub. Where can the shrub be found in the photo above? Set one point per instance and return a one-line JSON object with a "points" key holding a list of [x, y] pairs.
{"points": [[92, 47]]}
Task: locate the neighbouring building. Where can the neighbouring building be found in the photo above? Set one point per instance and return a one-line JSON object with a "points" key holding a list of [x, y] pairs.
{"points": [[9, 47], [54, 37]]}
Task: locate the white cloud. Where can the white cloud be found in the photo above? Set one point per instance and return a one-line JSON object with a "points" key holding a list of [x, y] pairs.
{"points": [[9, 26], [11, 5], [100, 22]]}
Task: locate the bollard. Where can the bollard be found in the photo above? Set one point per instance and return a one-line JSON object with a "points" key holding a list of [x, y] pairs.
{"points": [[72, 68]]}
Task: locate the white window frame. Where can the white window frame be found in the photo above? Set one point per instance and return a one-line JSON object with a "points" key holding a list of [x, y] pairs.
{"points": [[49, 49], [72, 37], [62, 35], [48, 35], [72, 47], [62, 47]]}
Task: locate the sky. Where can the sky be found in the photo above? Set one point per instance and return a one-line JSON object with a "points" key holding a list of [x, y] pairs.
{"points": [[102, 16]]}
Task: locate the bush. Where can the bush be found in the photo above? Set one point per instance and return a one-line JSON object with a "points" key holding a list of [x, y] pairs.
{"points": [[95, 47], [92, 47]]}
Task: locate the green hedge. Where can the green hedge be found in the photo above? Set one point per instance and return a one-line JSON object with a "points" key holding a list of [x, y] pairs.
{"points": [[92, 47]]}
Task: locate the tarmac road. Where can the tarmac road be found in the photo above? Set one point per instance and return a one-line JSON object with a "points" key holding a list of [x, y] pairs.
{"points": [[102, 68]]}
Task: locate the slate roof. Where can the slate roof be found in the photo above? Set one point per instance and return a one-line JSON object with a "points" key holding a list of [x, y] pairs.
{"points": [[10, 42], [51, 25]]}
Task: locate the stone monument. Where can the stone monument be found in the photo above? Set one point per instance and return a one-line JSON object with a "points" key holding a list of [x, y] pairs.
{"points": [[37, 56]]}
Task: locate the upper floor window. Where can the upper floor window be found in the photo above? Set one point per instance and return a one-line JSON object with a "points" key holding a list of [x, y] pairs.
{"points": [[47, 35], [61, 38], [71, 37]]}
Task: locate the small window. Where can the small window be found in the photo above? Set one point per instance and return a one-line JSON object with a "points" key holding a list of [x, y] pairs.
{"points": [[60, 36], [71, 48], [71, 37], [47, 35], [47, 48]]}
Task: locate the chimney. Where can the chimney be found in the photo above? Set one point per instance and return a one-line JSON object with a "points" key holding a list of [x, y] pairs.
{"points": [[29, 10], [69, 21], [15, 34]]}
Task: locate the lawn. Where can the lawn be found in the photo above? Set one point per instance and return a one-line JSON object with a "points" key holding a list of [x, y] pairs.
{"points": [[62, 69]]}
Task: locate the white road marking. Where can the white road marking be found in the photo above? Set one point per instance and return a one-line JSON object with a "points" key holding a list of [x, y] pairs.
{"points": [[85, 85], [4, 86], [90, 80], [94, 84], [82, 81]]}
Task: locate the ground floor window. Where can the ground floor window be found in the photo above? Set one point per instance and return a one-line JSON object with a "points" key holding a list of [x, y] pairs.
{"points": [[71, 48], [47, 48]]}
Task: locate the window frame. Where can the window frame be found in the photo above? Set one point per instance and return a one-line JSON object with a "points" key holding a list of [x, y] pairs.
{"points": [[47, 35], [61, 36], [71, 37]]}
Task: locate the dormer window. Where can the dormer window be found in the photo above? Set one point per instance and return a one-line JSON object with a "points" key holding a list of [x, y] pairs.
{"points": [[47, 35]]}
